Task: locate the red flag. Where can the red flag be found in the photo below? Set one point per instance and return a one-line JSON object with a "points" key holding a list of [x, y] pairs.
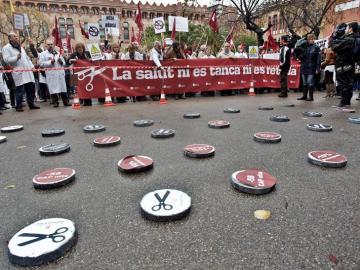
{"points": [[68, 41], [138, 20], [213, 22], [173, 32], [230, 36], [133, 38], [139, 38], [56, 35], [271, 42], [86, 35]]}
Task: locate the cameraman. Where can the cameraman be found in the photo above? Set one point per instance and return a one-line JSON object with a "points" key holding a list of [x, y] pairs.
{"points": [[343, 43]]}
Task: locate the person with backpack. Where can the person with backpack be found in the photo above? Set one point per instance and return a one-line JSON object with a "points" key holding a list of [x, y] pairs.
{"points": [[347, 49]]}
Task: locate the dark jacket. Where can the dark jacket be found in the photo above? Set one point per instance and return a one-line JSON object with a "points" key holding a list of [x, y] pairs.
{"points": [[85, 56], [285, 58], [343, 47], [311, 61]]}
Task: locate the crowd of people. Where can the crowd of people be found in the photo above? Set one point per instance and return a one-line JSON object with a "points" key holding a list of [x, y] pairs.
{"points": [[332, 69]]}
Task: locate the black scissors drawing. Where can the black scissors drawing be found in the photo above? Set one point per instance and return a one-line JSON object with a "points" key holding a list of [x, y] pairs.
{"points": [[162, 202], [56, 236]]}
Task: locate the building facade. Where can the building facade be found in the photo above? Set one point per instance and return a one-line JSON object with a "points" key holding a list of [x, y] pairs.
{"points": [[70, 12]]}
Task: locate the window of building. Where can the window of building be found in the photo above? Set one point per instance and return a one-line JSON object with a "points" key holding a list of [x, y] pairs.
{"points": [[126, 31], [29, 5], [123, 13], [84, 10], [42, 7], [112, 11], [190, 17], [73, 9], [96, 10], [275, 23], [104, 11], [281, 23], [152, 15], [166, 16], [101, 30], [196, 17], [62, 27], [129, 13], [54, 8], [64, 8], [158, 15], [18, 4], [144, 15], [70, 27]]}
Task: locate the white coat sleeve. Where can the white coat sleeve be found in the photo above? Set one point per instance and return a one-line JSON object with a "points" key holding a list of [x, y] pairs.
{"points": [[10, 60], [156, 60]]}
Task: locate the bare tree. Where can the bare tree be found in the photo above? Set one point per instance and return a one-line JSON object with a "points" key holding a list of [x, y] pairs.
{"points": [[308, 15], [38, 29], [248, 13]]}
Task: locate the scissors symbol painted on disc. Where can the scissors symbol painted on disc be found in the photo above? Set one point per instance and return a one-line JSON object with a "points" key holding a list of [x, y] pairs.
{"points": [[162, 202], [56, 236]]}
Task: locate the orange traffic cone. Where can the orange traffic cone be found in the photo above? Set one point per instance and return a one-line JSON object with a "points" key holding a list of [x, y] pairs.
{"points": [[76, 102], [108, 101], [162, 98], [251, 90]]}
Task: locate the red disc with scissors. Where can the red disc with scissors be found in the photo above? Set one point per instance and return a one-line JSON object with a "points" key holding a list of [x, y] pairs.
{"points": [[54, 178], [165, 205], [253, 181], [132, 164], [326, 158], [42, 242]]}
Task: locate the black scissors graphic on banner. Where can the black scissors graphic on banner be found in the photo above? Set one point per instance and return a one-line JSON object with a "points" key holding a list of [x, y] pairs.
{"points": [[162, 202], [56, 236]]}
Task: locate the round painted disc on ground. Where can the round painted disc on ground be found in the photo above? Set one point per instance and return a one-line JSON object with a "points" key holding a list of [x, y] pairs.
{"points": [[199, 150], [163, 133], [265, 108], [54, 178], [253, 181], [312, 114], [165, 205], [219, 124], [143, 123], [51, 132], [107, 141], [354, 120], [279, 118], [54, 149], [231, 110], [319, 127], [267, 137], [93, 128], [329, 159], [346, 110], [290, 105], [132, 164], [12, 128], [191, 115], [42, 242], [2, 139]]}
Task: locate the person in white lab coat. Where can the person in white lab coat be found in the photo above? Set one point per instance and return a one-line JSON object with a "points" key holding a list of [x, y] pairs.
{"points": [[15, 56], [55, 79]]}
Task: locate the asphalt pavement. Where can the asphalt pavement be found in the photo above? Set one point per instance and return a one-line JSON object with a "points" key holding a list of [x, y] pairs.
{"points": [[315, 217]]}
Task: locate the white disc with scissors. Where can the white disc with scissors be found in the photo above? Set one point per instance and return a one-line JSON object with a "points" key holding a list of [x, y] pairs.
{"points": [[44, 241], [165, 205]]}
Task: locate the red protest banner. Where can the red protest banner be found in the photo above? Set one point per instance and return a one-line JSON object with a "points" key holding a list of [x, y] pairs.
{"points": [[140, 78]]}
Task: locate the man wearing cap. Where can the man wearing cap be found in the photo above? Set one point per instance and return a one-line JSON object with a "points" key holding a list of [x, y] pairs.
{"points": [[55, 79], [15, 56]]}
